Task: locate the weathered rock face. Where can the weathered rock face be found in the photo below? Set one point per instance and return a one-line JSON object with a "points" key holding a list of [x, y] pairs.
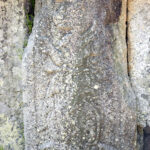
{"points": [[139, 49], [11, 49], [139, 61], [77, 94], [76, 88]]}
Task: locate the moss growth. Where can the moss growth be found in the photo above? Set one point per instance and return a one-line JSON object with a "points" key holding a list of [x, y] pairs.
{"points": [[1, 147], [29, 20], [25, 43], [30, 15], [32, 4]]}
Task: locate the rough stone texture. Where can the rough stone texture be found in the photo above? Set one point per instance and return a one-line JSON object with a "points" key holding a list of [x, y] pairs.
{"points": [[76, 90], [139, 60], [11, 49]]}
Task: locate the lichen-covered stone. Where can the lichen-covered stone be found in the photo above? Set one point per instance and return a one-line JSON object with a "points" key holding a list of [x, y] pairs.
{"points": [[139, 60], [12, 31], [76, 90], [9, 139]]}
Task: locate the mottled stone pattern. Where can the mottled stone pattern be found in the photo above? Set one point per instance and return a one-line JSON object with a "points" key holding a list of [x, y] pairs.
{"points": [[139, 60], [75, 96], [139, 49], [11, 49]]}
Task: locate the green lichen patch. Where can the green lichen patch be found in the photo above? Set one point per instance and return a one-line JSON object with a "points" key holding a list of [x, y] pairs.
{"points": [[25, 43], [20, 53], [1, 147]]}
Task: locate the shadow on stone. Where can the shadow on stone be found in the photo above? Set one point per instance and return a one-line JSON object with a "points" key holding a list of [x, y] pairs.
{"points": [[146, 139]]}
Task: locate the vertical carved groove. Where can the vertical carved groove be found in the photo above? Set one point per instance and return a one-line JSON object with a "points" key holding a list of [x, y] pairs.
{"points": [[128, 70], [139, 129]]}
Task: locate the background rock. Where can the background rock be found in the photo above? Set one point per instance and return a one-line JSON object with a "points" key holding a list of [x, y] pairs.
{"points": [[139, 60], [139, 48], [12, 32]]}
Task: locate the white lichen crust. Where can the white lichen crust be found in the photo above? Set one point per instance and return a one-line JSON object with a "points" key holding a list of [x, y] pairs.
{"points": [[12, 33]]}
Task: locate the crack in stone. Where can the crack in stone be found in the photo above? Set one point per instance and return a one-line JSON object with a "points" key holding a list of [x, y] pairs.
{"points": [[128, 68]]}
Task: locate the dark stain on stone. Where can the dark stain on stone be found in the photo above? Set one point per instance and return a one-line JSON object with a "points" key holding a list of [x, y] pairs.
{"points": [[113, 11], [4, 56], [144, 96], [29, 7], [140, 136], [146, 139]]}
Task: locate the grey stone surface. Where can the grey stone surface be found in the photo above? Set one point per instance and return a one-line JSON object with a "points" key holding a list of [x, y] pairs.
{"points": [[139, 61], [12, 33], [76, 89], [139, 48]]}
